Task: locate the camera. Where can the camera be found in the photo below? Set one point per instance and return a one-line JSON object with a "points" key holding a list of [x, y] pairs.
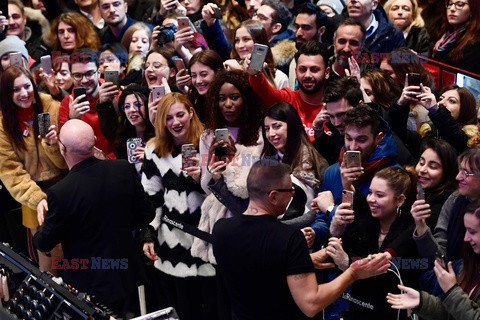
{"points": [[167, 33]]}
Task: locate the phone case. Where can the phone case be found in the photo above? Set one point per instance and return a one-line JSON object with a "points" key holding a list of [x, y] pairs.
{"points": [[43, 123], [178, 63], [16, 59], [353, 159], [420, 192], [46, 62], [259, 53], [183, 22], [132, 145], [158, 92], [188, 151]]}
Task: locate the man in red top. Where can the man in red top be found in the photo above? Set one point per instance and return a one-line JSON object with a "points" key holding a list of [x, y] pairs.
{"points": [[84, 69], [312, 70]]}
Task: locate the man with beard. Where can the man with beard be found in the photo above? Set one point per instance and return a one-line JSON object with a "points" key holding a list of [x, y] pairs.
{"points": [[114, 12], [311, 72], [309, 25], [91, 10], [348, 41]]}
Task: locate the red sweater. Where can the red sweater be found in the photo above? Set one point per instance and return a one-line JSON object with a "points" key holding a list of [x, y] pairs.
{"points": [[91, 117], [269, 95]]}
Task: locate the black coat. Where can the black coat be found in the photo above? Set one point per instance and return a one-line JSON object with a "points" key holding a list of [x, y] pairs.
{"points": [[92, 213]]}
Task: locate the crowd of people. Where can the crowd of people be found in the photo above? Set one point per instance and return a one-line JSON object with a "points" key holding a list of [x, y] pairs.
{"points": [[237, 137]]}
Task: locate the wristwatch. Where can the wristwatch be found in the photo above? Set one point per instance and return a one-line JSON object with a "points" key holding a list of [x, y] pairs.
{"points": [[330, 209]]}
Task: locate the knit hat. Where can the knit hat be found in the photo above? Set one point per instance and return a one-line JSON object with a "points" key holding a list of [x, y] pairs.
{"points": [[336, 5], [13, 44]]}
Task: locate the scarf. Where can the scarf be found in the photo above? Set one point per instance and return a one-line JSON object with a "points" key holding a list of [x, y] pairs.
{"points": [[448, 39], [25, 116], [370, 167]]}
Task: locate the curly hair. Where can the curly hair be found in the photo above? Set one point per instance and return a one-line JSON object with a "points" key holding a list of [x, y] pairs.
{"points": [[85, 34], [250, 116]]}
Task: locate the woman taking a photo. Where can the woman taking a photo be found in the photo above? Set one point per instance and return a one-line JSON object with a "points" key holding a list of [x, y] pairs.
{"points": [[461, 296], [30, 163], [189, 283]]}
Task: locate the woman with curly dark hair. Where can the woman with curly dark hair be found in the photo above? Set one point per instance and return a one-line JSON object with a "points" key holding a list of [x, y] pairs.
{"points": [[71, 31]]}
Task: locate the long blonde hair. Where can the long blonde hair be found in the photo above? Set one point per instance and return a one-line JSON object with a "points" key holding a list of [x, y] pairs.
{"points": [[163, 140]]}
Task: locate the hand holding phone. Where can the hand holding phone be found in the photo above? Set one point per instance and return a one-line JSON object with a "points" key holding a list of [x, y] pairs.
{"points": [[179, 65], [16, 59], [347, 197], [183, 23], [78, 91], [111, 76], [132, 145], [413, 79], [442, 258], [46, 62], [420, 192], [158, 92], [188, 152]]}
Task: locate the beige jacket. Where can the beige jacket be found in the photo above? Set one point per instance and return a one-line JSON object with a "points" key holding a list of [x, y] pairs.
{"points": [[19, 170]]}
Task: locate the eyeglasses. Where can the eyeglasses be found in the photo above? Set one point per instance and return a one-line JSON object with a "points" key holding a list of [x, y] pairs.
{"points": [[60, 141], [155, 65], [88, 75], [262, 17], [465, 173], [136, 105], [458, 5], [292, 189], [107, 6]]}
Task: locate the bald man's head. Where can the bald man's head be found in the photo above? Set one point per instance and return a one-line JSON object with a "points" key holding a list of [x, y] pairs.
{"points": [[78, 138]]}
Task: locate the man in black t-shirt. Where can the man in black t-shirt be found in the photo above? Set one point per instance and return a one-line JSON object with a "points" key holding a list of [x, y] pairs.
{"points": [[266, 266]]}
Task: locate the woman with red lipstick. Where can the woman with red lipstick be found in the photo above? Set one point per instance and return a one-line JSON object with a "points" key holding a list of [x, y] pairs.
{"points": [[459, 43], [461, 298], [30, 164], [436, 171], [188, 282], [71, 31]]}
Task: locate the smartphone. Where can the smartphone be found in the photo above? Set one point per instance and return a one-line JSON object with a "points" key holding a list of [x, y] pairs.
{"points": [[188, 152], [183, 23], [158, 92], [132, 145], [78, 91], [221, 134], [221, 154], [218, 13], [442, 257], [259, 53], [43, 123], [46, 62], [413, 79], [353, 159], [16, 59], [111, 76], [347, 197], [420, 192], [178, 63]]}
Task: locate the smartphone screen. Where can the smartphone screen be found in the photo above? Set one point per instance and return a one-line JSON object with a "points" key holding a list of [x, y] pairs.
{"points": [[43, 123], [259, 53]]}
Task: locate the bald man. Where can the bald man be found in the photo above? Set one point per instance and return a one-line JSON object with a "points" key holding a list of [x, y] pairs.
{"points": [[92, 213]]}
